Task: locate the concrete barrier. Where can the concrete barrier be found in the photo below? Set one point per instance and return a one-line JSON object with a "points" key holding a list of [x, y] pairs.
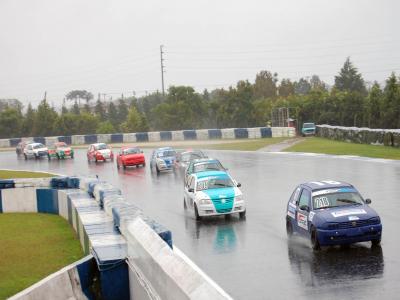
{"points": [[382, 137], [156, 136], [154, 266]]}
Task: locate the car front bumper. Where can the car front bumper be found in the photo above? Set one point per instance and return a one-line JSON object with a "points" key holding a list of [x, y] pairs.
{"points": [[349, 235], [209, 209]]}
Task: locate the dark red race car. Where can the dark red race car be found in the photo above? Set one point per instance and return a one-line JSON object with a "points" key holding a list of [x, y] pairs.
{"points": [[130, 156]]}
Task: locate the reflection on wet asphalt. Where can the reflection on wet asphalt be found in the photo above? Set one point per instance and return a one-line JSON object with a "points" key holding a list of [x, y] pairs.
{"points": [[252, 258]]}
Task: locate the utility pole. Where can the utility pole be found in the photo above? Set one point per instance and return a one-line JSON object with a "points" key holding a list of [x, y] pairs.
{"points": [[45, 96], [162, 69]]}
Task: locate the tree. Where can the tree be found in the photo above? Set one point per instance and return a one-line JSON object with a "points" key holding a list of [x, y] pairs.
{"points": [[135, 121], [44, 120], [105, 127], [113, 115], [302, 87], [10, 123], [349, 79], [372, 107], [286, 88], [317, 84], [122, 110], [391, 103], [265, 85], [77, 95], [28, 122], [100, 111], [75, 108]]}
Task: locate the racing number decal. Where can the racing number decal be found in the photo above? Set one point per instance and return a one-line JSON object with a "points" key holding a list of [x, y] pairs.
{"points": [[302, 221]]}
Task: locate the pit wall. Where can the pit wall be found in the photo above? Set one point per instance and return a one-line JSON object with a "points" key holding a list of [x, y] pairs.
{"points": [[129, 255], [385, 137], [159, 136]]}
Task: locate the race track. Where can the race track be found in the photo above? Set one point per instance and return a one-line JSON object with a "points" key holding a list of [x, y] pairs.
{"points": [[252, 258]]}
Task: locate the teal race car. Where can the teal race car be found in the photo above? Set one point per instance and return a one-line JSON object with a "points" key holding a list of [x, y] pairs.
{"points": [[60, 150]]}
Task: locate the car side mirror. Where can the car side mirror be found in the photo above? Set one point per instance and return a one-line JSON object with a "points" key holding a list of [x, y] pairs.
{"points": [[191, 190], [239, 184], [305, 207], [368, 201]]}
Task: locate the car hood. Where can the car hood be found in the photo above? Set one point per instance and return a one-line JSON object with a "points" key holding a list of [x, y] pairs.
{"points": [[41, 149], [345, 214], [104, 151], [64, 149], [167, 158], [215, 194], [132, 156]]}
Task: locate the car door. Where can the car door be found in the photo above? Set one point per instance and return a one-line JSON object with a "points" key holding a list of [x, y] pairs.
{"points": [[30, 150], [189, 196], [302, 210]]}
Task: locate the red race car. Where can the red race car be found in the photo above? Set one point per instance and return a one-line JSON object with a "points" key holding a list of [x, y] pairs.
{"points": [[99, 151], [130, 156]]}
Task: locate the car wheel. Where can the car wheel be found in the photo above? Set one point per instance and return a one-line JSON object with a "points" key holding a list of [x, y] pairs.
{"points": [[118, 166], [144, 164], [242, 214], [48, 156], [184, 204], [123, 166], [158, 171], [375, 243], [314, 240], [36, 156], [26, 157], [289, 228], [196, 213]]}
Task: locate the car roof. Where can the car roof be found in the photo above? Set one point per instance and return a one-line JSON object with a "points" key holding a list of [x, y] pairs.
{"points": [[163, 149], [129, 147], [325, 184], [205, 174], [97, 144], [33, 144], [204, 160]]}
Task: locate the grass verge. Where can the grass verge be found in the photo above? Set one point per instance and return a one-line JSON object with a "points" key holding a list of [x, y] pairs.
{"points": [[327, 146], [33, 246], [6, 174], [243, 145]]}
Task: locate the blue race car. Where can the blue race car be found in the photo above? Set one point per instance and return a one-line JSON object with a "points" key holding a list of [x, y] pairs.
{"points": [[163, 159], [332, 213]]}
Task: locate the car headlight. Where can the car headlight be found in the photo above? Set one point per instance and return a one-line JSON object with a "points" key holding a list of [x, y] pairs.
{"points": [[160, 161], [239, 198], [205, 201]]}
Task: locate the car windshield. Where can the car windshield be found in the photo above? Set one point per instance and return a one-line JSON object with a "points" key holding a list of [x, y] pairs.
{"points": [[61, 145], [214, 182], [101, 147], [166, 153], [38, 146], [131, 151], [209, 166], [336, 199], [308, 125]]}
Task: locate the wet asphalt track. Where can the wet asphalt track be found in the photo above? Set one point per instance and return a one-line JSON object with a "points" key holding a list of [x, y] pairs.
{"points": [[252, 258]]}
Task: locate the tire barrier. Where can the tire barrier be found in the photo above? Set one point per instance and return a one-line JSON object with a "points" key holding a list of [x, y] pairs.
{"points": [[129, 255], [385, 137], [139, 137]]}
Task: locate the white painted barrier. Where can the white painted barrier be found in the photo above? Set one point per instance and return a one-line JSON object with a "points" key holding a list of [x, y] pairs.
{"points": [[19, 200], [158, 272]]}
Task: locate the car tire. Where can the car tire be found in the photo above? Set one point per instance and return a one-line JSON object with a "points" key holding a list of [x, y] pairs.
{"points": [[157, 170], [242, 214], [118, 166], [25, 156], [184, 204], [196, 213], [144, 164], [376, 243], [36, 156], [48, 157], [289, 228], [123, 166], [314, 240]]}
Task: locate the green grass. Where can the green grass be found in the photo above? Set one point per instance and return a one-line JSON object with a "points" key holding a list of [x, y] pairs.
{"points": [[327, 146], [33, 246], [6, 174], [244, 145]]}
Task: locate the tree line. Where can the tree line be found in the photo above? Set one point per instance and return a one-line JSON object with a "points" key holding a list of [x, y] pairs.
{"points": [[350, 102]]}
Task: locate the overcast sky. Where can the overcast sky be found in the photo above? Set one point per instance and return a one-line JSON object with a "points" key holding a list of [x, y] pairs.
{"points": [[113, 46]]}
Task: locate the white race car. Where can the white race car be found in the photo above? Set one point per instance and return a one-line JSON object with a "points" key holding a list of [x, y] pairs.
{"points": [[35, 150], [213, 193]]}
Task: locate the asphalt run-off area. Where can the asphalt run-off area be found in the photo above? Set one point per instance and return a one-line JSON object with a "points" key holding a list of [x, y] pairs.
{"points": [[252, 258]]}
